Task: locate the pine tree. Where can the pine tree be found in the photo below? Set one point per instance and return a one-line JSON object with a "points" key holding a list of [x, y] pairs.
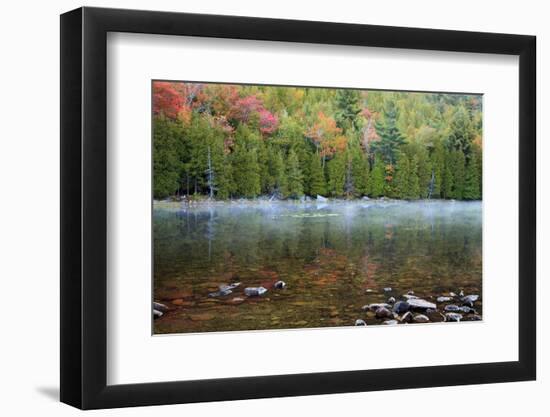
{"points": [[359, 171], [336, 169], [246, 170], [317, 183], [458, 175], [401, 178], [294, 176], [377, 179], [471, 180], [413, 189], [447, 184], [348, 108], [390, 136]]}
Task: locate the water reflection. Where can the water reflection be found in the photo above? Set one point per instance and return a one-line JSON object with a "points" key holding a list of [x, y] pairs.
{"points": [[329, 254]]}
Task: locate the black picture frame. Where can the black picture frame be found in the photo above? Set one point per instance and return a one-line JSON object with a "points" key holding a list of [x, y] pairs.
{"points": [[84, 207]]}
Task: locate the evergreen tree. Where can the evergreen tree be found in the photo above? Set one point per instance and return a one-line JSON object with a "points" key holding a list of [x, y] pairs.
{"points": [[390, 136], [317, 183], [336, 168], [413, 188], [166, 157], [377, 179], [294, 176], [458, 174], [246, 170], [348, 108], [359, 171], [471, 180], [401, 178]]}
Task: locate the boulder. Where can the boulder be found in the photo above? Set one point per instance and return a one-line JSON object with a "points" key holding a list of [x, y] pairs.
{"points": [[419, 303], [401, 307], [421, 318], [407, 317], [452, 307], [383, 313], [375, 306], [157, 314], [453, 317], [360, 322], [159, 307], [391, 300]]}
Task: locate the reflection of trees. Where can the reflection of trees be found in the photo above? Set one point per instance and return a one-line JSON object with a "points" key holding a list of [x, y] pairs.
{"points": [[372, 244]]}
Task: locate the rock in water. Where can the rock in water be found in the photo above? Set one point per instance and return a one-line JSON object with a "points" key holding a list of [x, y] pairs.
{"points": [[453, 317], [159, 307], [452, 307], [421, 304], [387, 289], [390, 322], [443, 299], [407, 317], [467, 310], [279, 285], [421, 318], [409, 296], [470, 299], [157, 314], [391, 300], [255, 291], [383, 313], [375, 306], [321, 198], [360, 322], [401, 307]]}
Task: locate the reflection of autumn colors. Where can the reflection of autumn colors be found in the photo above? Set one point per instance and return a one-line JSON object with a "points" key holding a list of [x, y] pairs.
{"points": [[328, 261]]}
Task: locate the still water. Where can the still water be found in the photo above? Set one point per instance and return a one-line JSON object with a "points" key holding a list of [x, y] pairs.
{"points": [[334, 257]]}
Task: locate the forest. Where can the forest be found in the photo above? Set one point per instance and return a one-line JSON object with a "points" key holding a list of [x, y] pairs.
{"points": [[224, 141]]}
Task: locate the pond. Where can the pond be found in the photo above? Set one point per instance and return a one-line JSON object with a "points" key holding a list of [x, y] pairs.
{"points": [[335, 257]]}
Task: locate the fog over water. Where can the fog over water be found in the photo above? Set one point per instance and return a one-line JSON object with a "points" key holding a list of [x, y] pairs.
{"points": [[334, 256]]}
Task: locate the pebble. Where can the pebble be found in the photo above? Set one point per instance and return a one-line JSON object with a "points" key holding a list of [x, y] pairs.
{"points": [[443, 299], [421, 304], [452, 307]]}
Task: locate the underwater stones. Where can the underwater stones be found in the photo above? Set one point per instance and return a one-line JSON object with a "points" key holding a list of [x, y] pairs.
{"points": [[469, 300], [391, 300], [387, 289], [419, 303], [375, 306], [232, 286], [360, 322], [159, 307], [220, 293], [254, 291], [157, 314], [383, 313], [401, 307], [421, 318], [443, 299], [452, 307], [279, 285], [453, 317]]}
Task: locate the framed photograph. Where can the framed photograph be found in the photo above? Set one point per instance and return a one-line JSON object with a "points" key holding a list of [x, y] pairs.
{"points": [[256, 208]]}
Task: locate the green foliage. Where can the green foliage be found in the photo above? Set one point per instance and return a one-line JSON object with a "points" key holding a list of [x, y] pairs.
{"points": [[226, 141]]}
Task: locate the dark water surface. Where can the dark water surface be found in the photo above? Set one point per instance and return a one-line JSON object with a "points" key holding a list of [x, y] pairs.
{"points": [[335, 257]]}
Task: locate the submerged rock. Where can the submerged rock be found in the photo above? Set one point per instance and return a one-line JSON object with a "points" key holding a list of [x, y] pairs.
{"points": [[452, 307], [467, 310], [220, 293], [421, 304], [401, 307], [453, 317], [391, 300], [387, 289], [469, 300], [443, 299], [475, 317], [159, 307], [390, 322], [421, 318], [360, 322], [383, 313], [254, 291], [157, 314], [232, 286], [279, 285]]}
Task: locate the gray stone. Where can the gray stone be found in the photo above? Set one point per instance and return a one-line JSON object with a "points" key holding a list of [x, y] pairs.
{"points": [[383, 313], [360, 322], [452, 307], [401, 307], [453, 317], [157, 314], [159, 307], [421, 318], [443, 299], [254, 291], [390, 322], [220, 293], [391, 300], [279, 285], [419, 303]]}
